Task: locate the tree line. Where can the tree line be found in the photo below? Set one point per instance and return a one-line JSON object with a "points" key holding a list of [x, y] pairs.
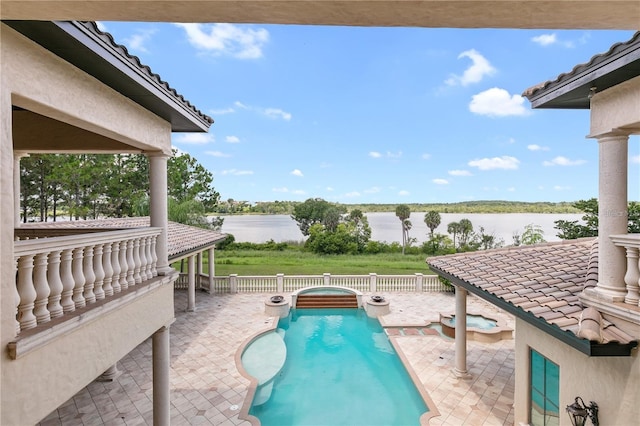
{"points": [[90, 186]]}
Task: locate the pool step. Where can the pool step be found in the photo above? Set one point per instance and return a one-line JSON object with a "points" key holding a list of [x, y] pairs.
{"points": [[312, 301]]}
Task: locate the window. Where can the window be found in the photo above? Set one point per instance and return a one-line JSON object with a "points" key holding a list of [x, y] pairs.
{"points": [[545, 390]]}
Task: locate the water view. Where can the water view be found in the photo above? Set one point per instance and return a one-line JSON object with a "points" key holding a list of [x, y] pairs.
{"points": [[386, 226]]}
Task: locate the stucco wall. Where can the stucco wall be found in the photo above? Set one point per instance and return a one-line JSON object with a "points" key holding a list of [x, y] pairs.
{"points": [[33, 78], [45, 378], [617, 107], [612, 382]]}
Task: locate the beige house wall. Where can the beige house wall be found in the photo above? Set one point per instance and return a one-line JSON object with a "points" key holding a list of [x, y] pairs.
{"points": [[612, 382], [33, 78], [617, 108]]}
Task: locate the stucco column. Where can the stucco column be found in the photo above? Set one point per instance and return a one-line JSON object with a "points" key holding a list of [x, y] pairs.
{"points": [[212, 268], [161, 377], [612, 215], [460, 369], [191, 265], [17, 155], [158, 206]]}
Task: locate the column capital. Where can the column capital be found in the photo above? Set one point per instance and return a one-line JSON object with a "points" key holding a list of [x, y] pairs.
{"points": [[20, 154], [612, 135], [160, 154]]}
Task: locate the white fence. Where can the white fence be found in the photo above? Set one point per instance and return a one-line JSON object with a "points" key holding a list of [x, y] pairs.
{"points": [[365, 283]]}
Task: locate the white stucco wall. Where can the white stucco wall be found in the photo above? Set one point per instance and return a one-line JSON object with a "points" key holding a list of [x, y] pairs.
{"points": [[612, 382], [32, 78], [617, 107]]}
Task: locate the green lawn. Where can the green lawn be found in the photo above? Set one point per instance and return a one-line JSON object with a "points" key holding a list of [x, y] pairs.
{"points": [[291, 262]]}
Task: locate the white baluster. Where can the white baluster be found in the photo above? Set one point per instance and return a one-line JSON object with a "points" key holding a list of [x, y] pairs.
{"points": [[632, 276], [115, 264], [99, 271], [124, 266], [89, 275], [107, 269], [154, 255], [16, 297], [137, 263], [131, 265], [27, 293], [148, 257], [78, 278], [55, 284], [68, 283], [42, 288]]}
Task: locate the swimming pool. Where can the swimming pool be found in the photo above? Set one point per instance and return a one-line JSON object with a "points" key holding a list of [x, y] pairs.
{"points": [[340, 369]]}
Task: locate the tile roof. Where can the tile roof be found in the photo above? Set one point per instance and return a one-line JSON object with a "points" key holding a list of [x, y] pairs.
{"points": [[539, 283], [182, 239], [604, 70], [134, 60]]}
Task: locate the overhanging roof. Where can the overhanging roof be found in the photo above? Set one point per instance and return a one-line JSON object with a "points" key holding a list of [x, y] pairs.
{"points": [[539, 284], [96, 53], [572, 90]]}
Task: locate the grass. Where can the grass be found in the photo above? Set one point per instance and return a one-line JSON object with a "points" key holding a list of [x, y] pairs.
{"points": [[291, 262]]}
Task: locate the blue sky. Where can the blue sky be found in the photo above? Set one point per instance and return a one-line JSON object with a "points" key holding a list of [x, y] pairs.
{"points": [[379, 115]]}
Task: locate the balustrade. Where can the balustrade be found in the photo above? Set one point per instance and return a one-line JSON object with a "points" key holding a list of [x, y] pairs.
{"points": [[631, 244], [287, 283], [56, 276]]}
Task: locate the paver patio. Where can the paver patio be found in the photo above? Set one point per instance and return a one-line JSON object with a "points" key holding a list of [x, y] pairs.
{"points": [[207, 389]]}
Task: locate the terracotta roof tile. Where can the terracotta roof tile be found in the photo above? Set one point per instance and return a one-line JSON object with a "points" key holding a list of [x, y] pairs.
{"points": [[544, 280]]}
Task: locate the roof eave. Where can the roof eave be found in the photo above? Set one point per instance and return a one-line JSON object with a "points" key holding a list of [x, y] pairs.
{"points": [[110, 63], [585, 346]]}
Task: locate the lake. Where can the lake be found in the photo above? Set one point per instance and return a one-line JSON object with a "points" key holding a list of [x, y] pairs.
{"points": [[386, 226]]}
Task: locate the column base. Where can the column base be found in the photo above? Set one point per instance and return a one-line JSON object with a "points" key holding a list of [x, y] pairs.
{"points": [[464, 375], [110, 375], [606, 294]]}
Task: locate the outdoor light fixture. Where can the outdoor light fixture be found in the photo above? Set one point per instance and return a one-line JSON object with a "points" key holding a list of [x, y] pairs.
{"points": [[578, 412]]}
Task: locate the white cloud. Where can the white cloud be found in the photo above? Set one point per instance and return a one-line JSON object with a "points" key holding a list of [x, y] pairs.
{"points": [[561, 188], [394, 154], [102, 27], [328, 188], [440, 181], [277, 113], [194, 138], [137, 41], [241, 105], [563, 161], [505, 163], [404, 193], [511, 189], [299, 192], [511, 140], [281, 189], [222, 111], [217, 154], [297, 172], [460, 173], [480, 67], [375, 154], [635, 159], [352, 194], [372, 190], [545, 39], [497, 102], [426, 156], [239, 41], [232, 139], [534, 147], [235, 172]]}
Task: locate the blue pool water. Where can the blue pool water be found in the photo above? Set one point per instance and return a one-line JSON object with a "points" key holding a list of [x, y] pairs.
{"points": [[340, 369], [473, 321]]}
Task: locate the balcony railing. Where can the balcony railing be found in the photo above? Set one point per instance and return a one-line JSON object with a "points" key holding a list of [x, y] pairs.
{"points": [[57, 275], [631, 243], [288, 283]]}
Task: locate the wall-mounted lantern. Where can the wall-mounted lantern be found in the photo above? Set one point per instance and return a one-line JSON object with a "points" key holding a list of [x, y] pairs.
{"points": [[578, 412]]}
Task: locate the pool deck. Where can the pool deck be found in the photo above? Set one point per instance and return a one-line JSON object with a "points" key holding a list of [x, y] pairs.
{"points": [[207, 389]]}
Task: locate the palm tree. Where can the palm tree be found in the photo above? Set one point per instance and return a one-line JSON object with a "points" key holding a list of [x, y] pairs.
{"points": [[432, 220], [403, 212], [454, 229]]}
